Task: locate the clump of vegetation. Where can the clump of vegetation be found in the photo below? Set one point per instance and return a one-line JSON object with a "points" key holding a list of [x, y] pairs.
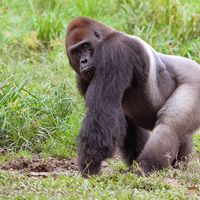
{"points": [[48, 26], [28, 119]]}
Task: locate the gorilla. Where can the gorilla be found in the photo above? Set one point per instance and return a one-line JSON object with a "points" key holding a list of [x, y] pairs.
{"points": [[130, 89]]}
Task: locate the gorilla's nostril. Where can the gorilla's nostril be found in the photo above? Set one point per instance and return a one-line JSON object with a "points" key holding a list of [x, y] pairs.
{"points": [[84, 61]]}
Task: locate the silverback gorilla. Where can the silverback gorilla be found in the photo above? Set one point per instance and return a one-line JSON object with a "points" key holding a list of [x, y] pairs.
{"points": [[130, 89]]}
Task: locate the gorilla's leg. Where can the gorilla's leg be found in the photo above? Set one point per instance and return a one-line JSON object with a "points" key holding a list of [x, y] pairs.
{"points": [[173, 126], [160, 150], [134, 142]]}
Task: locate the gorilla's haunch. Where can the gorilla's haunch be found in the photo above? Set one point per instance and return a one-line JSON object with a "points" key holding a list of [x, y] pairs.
{"points": [[130, 88]]}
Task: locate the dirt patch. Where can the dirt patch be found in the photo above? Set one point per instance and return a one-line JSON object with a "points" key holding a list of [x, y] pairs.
{"points": [[38, 166], [2, 151]]}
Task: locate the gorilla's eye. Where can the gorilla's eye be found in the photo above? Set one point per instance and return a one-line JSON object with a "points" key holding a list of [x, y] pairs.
{"points": [[96, 34], [75, 51], [85, 45]]}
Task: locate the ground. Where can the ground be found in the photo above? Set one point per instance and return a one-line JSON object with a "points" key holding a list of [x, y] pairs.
{"points": [[49, 178], [41, 111]]}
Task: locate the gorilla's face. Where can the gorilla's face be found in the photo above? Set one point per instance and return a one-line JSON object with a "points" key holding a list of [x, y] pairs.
{"points": [[81, 45]]}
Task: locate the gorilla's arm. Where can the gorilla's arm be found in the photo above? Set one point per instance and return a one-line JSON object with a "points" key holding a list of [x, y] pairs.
{"points": [[104, 122]]}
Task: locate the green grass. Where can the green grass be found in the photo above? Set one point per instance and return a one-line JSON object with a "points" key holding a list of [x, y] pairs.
{"points": [[40, 108]]}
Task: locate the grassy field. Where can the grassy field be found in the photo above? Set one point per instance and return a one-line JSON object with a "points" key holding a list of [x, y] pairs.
{"points": [[41, 110]]}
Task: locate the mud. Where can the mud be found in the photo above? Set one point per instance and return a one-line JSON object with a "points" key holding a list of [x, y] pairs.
{"points": [[38, 166]]}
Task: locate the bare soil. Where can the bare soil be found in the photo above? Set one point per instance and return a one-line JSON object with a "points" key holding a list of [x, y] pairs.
{"points": [[41, 167], [38, 166]]}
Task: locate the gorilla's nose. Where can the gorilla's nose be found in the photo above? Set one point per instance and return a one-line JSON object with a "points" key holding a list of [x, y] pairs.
{"points": [[84, 61]]}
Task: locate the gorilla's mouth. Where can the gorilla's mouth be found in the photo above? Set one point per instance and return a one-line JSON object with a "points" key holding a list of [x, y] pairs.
{"points": [[89, 72]]}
